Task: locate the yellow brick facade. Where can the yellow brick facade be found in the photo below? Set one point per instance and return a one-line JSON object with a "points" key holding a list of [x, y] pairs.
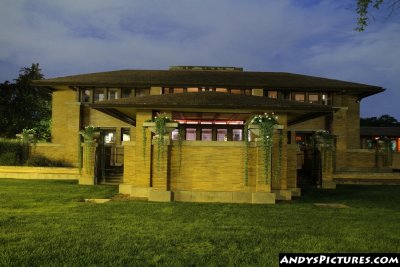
{"points": [[205, 170]]}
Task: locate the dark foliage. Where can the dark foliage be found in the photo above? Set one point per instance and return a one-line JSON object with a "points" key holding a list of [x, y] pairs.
{"points": [[382, 121], [12, 152], [23, 106], [363, 9], [42, 161]]}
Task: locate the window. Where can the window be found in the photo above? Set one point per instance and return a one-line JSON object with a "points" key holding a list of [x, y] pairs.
{"points": [[299, 97], [272, 94], [114, 93], [326, 100], [222, 134], [286, 95], [222, 90], [125, 134], [192, 90], [248, 92], [175, 135], [191, 134], [313, 98], [398, 144], [178, 90], [99, 94], [206, 134], [109, 137], [86, 95], [126, 92], [237, 134], [236, 91], [142, 92]]}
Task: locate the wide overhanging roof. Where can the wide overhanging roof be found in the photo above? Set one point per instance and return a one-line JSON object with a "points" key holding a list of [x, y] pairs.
{"points": [[229, 79], [125, 108]]}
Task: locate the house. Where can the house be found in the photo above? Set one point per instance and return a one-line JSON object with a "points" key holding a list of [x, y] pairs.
{"points": [[207, 158], [370, 136]]}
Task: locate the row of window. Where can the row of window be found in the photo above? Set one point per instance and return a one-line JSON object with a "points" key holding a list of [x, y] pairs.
{"points": [[210, 134], [176, 90], [308, 97], [90, 95]]}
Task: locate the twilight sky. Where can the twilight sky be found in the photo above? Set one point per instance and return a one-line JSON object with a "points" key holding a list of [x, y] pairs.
{"points": [[313, 37]]}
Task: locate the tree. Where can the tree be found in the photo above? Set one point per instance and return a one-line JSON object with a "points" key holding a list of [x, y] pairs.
{"points": [[24, 106], [363, 9], [382, 121]]}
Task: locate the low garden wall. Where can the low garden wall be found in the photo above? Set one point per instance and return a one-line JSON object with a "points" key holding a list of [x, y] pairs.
{"points": [[361, 160], [21, 172], [396, 161]]}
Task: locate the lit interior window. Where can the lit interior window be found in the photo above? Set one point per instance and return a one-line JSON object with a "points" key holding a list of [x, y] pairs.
{"points": [[237, 134], [222, 90], [165, 90], [398, 144], [236, 91], [109, 138], [178, 90], [325, 99], [206, 134], [393, 145], [126, 137], [192, 90], [299, 97], [175, 135], [273, 94], [222, 134], [191, 134], [313, 98], [247, 91]]}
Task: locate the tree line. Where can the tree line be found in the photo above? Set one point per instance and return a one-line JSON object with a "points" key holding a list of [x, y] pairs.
{"points": [[23, 106]]}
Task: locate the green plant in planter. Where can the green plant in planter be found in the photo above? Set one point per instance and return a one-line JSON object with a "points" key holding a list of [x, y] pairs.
{"points": [[265, 125], [88, 134], [28, 137], [160, 124], [277, 170], [325, 141], [181, 134]]}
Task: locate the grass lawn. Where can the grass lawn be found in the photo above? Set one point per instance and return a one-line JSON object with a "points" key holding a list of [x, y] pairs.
{"points": [[45, 223]]}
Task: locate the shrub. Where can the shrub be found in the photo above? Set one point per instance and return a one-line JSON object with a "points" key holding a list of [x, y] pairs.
{"points": [[12, 152], [9, 159], [42, 161]]}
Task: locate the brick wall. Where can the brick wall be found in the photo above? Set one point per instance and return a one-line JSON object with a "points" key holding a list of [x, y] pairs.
{"points": [[65, 128], [208, 166]]}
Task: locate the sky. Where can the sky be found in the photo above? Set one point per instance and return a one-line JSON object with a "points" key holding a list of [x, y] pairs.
{"points": [[312, 37]]}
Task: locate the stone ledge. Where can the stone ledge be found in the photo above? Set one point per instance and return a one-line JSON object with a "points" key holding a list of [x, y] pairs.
{"points": [[328, 185], [263, 198], [296, 192], [283, 194], [160, 196]]}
